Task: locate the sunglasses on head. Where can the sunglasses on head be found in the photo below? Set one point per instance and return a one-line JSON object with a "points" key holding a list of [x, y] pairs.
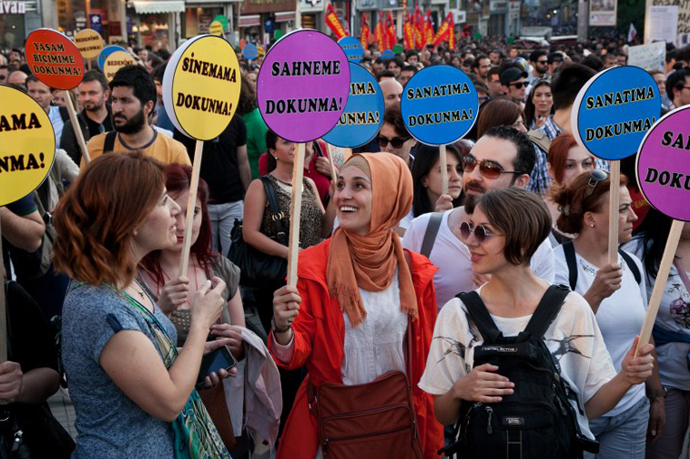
{"points": [[596, 176], [489, 169], [397, 142], [480, 232], [518, 85]]}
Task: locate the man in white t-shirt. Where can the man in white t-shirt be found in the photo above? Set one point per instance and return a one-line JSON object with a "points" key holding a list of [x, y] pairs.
{"points": [[507, 155]]}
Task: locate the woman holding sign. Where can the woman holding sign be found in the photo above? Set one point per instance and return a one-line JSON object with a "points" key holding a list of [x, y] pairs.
{"points": [[616, 294], [358, 297], [133, 392]]}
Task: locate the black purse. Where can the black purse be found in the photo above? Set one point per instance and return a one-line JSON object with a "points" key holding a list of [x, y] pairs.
{"points": [[258, 269]]}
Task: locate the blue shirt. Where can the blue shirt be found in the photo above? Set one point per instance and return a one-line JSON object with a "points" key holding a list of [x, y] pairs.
{"points": [[109, 424], [57, 122]]}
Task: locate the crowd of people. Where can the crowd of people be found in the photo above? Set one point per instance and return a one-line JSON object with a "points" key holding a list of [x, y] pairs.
{"points": [[93, 258]]}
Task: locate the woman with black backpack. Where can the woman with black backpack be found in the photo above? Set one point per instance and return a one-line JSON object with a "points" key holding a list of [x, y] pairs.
{"points": [[518, 364]]}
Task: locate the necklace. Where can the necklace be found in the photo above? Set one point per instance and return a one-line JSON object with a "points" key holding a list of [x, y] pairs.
{"points": [[140, 291]]}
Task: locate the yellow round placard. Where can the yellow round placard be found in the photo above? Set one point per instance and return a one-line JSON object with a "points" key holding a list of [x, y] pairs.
{"points": [[89, 42], [115, 62], [27, 145], [216, 28], [201, 86]]}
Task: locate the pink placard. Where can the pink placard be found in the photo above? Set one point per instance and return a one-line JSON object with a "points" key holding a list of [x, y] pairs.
{"points": [[303, 85]]}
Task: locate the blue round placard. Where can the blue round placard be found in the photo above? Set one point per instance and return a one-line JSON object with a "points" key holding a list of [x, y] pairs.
{"points": [[363, 114], [614, 110], [107, 51], [352, 47], [250, 52], [387, 54], [439, 105]]}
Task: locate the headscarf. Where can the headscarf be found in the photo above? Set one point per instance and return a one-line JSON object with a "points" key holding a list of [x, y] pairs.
{"points": [[369, 262]]}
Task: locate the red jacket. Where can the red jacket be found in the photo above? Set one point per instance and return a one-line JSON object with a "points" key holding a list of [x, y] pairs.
{"points": [[319, 334]]}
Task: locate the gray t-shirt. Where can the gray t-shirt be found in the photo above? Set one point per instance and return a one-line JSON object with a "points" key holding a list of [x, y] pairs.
{"points": [[109, 424]]}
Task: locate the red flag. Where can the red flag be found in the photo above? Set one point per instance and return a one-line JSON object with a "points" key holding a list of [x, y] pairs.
{"points": [[364, 35], [334, 24], [418, 28], [451, 33], [428, 29], [378, 33], [409, 34], [392, 37]]}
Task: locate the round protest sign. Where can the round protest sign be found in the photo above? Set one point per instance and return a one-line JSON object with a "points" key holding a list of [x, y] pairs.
{"points": [[303, 85], [54, 59], [278, 34], [115, 62], [663, 164], [398, 49], [387, 54], [352, 47], [89, 42], [216, 28], [27, 145], [107, 51], [224, 21], [201, 86], [439, 105], [363, 114], [614, 110], [250, 51]]}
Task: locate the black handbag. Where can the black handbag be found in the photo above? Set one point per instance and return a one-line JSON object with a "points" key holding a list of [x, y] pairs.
{"points": [[257, 268]]}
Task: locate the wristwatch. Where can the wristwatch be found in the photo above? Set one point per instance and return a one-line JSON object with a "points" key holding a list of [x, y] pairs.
{"points": [[657, 393], [275, 328]]}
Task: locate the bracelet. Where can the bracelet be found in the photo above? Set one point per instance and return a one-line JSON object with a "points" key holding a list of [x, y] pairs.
{"points": [[652, 394], [275, 328]]}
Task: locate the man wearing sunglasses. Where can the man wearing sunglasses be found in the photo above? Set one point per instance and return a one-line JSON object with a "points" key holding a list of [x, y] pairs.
{"points": [[501, 158], [514, 84]]}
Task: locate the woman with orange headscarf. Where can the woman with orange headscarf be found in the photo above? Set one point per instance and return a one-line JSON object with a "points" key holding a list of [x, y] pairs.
{"points": [[358, 297]]}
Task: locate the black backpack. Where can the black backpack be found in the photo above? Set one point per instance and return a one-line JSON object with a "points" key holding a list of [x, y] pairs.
{"points": [[569, 252], [537, 421]]}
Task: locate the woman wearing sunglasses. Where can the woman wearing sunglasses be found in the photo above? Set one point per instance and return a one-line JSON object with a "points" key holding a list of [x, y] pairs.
{"points": [[394, 137], [503, 233], [615, 296], [358, 295]]}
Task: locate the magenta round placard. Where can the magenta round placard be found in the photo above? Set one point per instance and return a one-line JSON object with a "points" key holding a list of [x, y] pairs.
{"points": [[663, 165], [303, 85]]}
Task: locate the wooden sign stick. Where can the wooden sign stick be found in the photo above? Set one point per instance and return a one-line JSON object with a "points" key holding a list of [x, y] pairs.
{"points": [[295, 213], [191, 204], [3, 317], [76, 127], [660, 282], [444, 169], [614, 203]]}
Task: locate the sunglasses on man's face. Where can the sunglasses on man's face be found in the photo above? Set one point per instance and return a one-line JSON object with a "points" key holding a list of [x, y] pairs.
{"points": [[480, 232], [397, 142], [518, 85], [489, 169]]}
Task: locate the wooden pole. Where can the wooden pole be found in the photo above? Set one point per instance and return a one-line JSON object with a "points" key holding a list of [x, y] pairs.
{"points": [[295, 213], [614, 203], [191, 204], [3, 315], [444, 169], [660, 282], [77, 128]]}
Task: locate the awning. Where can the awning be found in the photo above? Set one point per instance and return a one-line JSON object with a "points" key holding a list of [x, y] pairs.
{"points": [[285, 17], [158, 6], [249, 21]]}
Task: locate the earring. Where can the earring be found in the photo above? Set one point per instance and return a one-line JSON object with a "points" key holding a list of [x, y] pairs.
{"points": [[592, 225]]}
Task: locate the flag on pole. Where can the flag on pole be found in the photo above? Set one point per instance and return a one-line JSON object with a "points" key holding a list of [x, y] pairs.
{"points": [[418, 28], [364, 35], [428, 29], [632, 33], [334, 24], [409, 33], [451, 32], [379, 35], [392, 37]]}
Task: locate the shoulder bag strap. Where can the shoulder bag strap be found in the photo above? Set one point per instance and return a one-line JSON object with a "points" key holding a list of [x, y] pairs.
{"points": [[109, 143], [569, 250], [631, 264], [278, 214], [408, 340], [547, 310], [480, 316], [431, 232]]}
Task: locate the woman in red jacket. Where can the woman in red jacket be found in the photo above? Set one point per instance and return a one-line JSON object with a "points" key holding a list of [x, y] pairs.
{"points": [[356, 299]]}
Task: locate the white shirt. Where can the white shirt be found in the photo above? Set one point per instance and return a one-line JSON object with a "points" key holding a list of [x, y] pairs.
{"points": [[619, 316], [673, 315], [573, 338], [452, 257]]}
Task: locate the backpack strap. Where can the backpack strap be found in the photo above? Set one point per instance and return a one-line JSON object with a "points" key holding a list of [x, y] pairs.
{"points": [[430, 234], [569, 251], [480, 316], [277, 214], [547, 310], [631, 264], [109, 143], [539, 139]]}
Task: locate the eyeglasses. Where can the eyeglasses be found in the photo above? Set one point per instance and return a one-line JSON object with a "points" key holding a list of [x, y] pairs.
{"points": [[518, 85], [596, 176], [489, 169], [480, 232], [397, 142]]}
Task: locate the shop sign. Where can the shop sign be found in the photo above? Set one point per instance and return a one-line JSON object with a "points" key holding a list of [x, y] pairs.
{"points": [[12, 7]]}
